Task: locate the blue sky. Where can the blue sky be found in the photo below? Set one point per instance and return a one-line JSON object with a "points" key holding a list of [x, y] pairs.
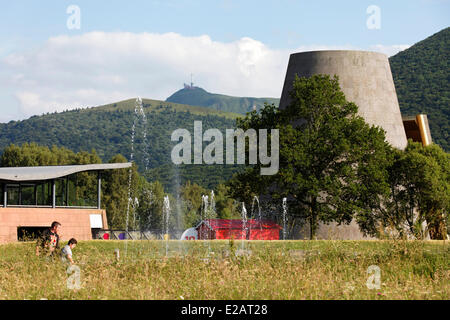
{"points": [[279, 24], [247, 42]]}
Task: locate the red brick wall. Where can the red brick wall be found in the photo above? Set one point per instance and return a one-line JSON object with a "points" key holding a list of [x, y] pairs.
{"points": [[75, 223], [264, 234], [237, 234]]}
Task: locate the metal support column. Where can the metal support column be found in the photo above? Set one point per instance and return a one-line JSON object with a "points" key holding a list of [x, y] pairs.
{"points": [[53, 193], [35, 195], [67, 191], [5, 195], [99, 189]]}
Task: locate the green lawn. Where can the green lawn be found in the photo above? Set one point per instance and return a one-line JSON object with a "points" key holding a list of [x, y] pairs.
{"points": [[221, 270]]}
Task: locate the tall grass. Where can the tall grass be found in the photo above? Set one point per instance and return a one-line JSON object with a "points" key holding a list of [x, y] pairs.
{"points": [[273, 270]]}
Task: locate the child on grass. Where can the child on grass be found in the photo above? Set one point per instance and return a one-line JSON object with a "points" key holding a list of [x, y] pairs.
{"points": [[66, 252]]}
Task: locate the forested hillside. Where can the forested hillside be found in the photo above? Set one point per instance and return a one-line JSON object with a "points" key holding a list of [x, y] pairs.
{"points": [[108, 130], [422, 81]]}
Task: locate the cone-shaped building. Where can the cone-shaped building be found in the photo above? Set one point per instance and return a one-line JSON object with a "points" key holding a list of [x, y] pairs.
{"points": [[365, 78]]}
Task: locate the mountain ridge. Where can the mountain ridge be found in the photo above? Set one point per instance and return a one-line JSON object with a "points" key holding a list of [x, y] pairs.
{"points": [[421, 79], [198, 96], [422, 82], [108, 129]]}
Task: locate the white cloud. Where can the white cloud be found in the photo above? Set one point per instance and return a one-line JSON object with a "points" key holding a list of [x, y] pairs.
{"points": [[97, 68], [103, 67], [389, 50], [29, 98]]}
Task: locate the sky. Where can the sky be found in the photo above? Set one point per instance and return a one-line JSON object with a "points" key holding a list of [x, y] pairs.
{"points": [[57, 55]]}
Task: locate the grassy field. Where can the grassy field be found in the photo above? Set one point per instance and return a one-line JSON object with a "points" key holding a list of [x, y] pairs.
{"points": [[222, 270]]}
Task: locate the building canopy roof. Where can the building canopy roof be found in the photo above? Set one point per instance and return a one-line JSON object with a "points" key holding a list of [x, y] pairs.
{"points": [[52, 172]]}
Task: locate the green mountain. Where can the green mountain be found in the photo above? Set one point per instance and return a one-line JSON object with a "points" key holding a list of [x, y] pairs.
{"points": [[422, 81], [196, 96], [421, 77], [108, 130]]}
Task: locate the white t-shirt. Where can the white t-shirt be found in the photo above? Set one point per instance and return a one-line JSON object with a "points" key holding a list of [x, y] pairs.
{"points": [[65, 251]]}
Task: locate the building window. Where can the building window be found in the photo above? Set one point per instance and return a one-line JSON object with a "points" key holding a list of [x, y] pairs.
{"points": [[27, 195], [13, 194], [44, 193], [76, 190], [82, 189]]}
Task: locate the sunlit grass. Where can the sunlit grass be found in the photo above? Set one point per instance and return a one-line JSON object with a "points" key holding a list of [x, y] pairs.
{"points": [[221, 270]]}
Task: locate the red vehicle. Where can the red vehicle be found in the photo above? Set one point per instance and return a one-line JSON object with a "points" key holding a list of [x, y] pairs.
{"points": [[252, 229]]}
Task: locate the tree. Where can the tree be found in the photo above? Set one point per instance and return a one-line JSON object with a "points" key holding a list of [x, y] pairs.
{"points": [[434, 203], [117, 191], [419, 180], [226, 206], [331, 160], [191, 194], [150, 209]]}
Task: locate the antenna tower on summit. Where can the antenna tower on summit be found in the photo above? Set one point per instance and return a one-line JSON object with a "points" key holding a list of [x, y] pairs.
{"points": [[189, 86]]}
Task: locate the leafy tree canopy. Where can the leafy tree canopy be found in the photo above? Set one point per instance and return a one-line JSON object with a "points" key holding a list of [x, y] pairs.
{"points": [[331, 160]]}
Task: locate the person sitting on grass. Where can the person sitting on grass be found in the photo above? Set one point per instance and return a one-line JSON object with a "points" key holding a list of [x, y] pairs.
{"points": [[66, 252], [49, 240]]}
